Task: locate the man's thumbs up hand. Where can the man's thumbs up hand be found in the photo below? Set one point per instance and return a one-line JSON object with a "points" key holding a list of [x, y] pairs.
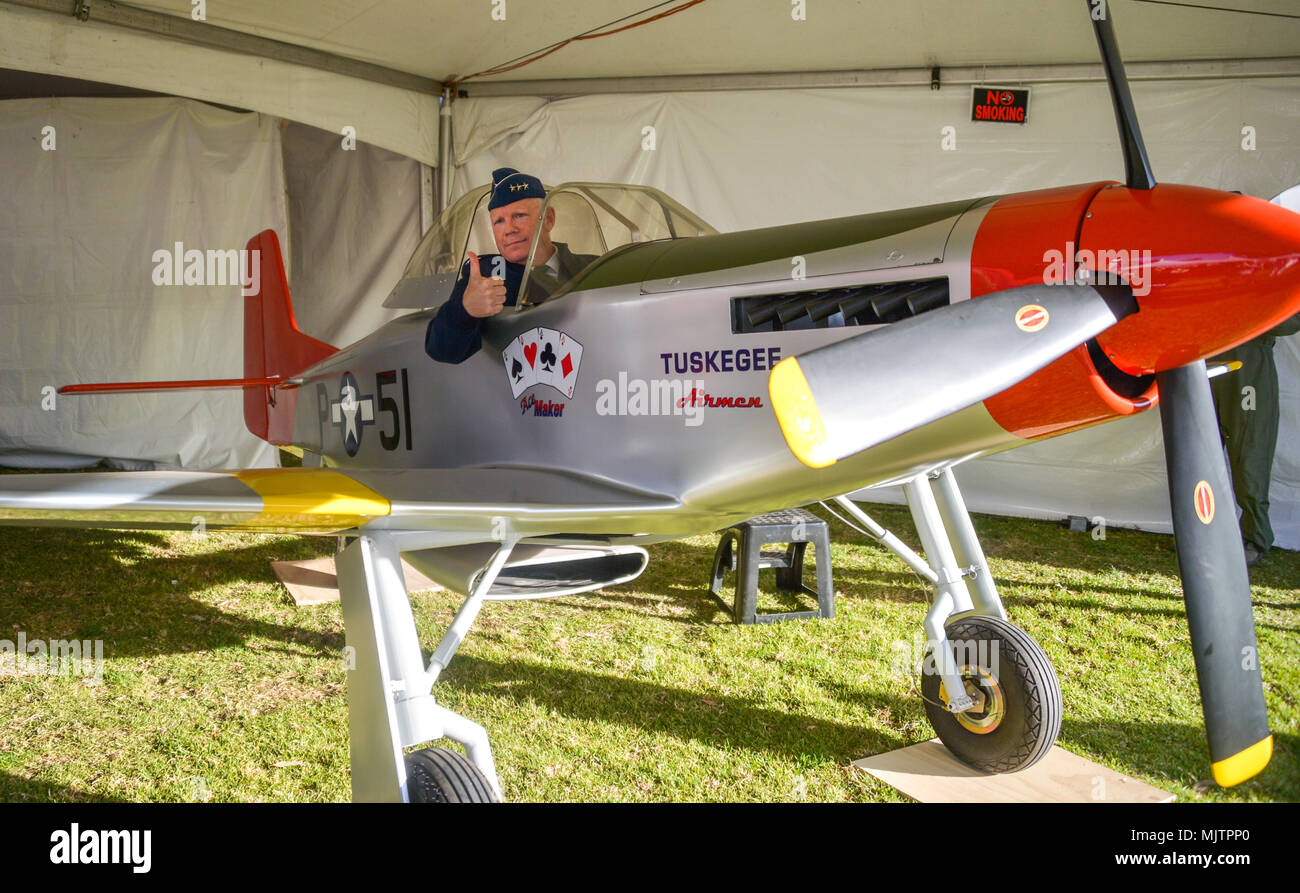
{"points": [[483, 296]]}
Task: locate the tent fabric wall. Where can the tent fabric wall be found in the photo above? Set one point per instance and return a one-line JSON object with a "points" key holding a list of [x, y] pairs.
{"points": [[355, 219], [750, 159], [762, 158], [128, 177], [79, 226]]}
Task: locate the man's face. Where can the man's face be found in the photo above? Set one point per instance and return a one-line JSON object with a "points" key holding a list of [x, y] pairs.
{"points": [[513, 226]]}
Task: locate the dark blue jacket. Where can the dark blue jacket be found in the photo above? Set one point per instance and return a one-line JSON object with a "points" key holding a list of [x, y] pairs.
{"points": [[454, 336]]}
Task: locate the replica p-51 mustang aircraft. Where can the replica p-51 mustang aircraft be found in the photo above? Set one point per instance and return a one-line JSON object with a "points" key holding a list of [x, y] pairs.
{"points": [[683, 381]]}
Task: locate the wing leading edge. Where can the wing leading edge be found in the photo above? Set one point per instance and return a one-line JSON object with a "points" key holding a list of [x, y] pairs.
{"points": [[327, 501]]}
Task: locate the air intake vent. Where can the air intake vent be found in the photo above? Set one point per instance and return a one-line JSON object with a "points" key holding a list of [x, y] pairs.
{"points": [[857, 305]]}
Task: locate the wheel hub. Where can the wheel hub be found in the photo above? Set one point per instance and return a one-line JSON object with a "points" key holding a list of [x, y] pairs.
{"points": [[990, 701]]}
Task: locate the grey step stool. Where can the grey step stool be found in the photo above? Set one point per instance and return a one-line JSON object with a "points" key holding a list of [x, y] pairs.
{"points": [[745, 542]]}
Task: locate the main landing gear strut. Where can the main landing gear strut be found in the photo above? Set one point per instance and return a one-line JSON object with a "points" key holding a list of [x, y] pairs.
{"points": [[989, 690], [390, 700]]}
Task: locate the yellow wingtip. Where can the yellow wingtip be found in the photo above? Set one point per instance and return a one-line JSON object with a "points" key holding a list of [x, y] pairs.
{"points": [[796, 411], [1244, 764]]}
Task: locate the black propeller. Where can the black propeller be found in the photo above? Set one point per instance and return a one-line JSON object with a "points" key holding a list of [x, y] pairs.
{"points": [[1137, 167], [1216, 588]]}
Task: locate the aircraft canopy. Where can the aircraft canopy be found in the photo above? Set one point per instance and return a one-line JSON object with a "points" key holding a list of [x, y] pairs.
{"points": [[590, 218]]}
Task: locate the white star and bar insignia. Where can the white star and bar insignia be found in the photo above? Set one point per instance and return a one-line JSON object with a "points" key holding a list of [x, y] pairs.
{"points": [[352, 412]]}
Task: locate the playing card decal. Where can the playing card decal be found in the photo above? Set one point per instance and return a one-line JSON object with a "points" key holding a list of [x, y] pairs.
{"points": [[542, 356]]}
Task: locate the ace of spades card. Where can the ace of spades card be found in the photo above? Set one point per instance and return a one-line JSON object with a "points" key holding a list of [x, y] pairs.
{"points": [[521, 360]]}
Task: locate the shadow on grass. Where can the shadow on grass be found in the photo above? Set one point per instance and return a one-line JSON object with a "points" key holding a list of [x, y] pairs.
{"points": [[16, 789], [703, 608], [1179, 754], [695, 562], [1127, 610], [715, 719], [88, 584], [1051, 543], [1169, 754], [673, 562], [896, 586]]}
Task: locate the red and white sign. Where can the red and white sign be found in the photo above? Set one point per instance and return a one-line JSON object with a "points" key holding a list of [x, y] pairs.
{"points": [[1009, 105], [1203, 500], [1032, 318]]}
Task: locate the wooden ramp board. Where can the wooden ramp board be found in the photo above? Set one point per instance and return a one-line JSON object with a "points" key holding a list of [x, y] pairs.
{"points": [[315, 582], [929, 773]]}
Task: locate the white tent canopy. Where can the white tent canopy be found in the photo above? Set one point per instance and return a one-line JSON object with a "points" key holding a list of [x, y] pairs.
{"points": [[440, 41], [378, 67], [401, 120]]}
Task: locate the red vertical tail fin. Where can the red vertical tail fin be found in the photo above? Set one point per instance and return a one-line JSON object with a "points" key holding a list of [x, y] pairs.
{"points": [[273, 346]]}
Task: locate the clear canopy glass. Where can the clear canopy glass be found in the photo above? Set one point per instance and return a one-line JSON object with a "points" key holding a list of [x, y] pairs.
{"points": [[591, 220]]}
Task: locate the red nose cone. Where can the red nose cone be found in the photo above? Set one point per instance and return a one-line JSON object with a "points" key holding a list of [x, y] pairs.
{"points": [[1209, 270]]}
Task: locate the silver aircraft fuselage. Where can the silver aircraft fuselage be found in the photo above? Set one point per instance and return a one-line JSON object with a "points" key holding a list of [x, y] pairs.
{"points": [[669, 398]]}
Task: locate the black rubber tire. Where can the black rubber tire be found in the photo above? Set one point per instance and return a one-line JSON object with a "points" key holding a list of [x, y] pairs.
{"points": [[1032, 695], [438, 775]]}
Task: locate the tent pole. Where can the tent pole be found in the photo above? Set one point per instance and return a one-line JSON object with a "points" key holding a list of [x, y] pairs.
{"points": [[957, 75], [427, 197], [445, 160]]}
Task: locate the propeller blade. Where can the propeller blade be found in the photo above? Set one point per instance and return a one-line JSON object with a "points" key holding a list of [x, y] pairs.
{"points": [[841, 399], [1216, 588], [1137, 167]]}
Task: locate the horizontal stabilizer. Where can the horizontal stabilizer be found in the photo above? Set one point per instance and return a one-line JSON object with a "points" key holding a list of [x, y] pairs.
{"points": [[145, 387]]}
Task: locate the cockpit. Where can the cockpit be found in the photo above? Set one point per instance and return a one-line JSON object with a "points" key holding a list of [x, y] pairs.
{"points": [[593, 221]]}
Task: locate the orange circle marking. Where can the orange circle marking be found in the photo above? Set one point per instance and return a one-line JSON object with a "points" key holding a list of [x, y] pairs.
{"points": [[1031, 318], [1203, 500]]}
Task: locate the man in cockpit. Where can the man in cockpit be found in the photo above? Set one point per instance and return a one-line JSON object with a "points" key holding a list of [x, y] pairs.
{"points": [[490, 283]]}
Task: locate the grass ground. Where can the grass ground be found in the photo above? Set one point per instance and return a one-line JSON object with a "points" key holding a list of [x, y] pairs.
{"points": [[218, 688]]}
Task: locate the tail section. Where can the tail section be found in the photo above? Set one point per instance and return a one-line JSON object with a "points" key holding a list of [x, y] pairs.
{"points": [[274, 349]]}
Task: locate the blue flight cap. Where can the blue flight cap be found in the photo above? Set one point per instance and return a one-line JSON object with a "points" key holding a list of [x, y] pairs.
{"points": [[508, 185]]}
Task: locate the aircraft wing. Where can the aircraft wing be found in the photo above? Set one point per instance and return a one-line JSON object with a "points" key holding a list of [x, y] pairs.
{"points": [[476, 502]]}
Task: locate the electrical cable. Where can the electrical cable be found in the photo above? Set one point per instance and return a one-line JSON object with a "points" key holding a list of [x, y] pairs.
{"points": [[1254, 12], [529, 58]]}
